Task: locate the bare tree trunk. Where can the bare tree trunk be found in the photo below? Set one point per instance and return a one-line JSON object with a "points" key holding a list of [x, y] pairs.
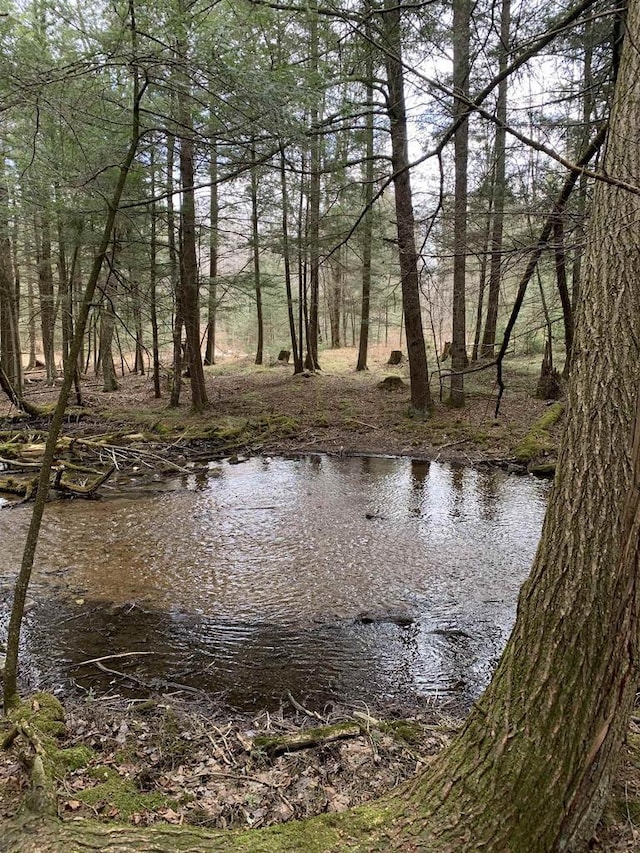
{"points": [[482, 283], [303, 266], [47, 298], [153, 278], [10, 353], [188, 280], [256, 254], [297, 355], [176, 384], [108, 320], [418, 371], [214, 216], [311, 360], [461, 36], [489, 338], [563, 290], [31, 324], [335, 299], [367, 225]]}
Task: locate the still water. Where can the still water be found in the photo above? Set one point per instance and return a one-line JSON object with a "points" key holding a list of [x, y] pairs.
{"points": [[349, 579]]}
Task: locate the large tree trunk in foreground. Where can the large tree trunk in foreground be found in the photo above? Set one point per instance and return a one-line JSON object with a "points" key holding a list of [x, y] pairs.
{"points": [[531, 769]]}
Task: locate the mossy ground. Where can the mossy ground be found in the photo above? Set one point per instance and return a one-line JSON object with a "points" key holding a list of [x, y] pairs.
{"points": [[178, 765], [540, 442], [268, 409]]}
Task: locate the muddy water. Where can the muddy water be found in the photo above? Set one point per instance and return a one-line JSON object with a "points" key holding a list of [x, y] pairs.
{"points": [[348, 579]]}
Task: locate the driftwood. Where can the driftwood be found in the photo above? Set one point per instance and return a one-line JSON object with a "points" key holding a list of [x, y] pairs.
{"points": [[61, 481]]}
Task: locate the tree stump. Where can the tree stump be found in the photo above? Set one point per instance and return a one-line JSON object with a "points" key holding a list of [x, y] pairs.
{"points": [[392, 383], [549, 385], [396, 357]]}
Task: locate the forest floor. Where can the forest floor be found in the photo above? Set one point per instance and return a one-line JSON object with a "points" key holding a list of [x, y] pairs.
{"points": [[337, 410], [154, 761]]}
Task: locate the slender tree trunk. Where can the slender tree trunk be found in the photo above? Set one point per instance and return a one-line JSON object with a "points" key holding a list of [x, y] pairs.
{"points": [[563, 290], [418, 371], [189, 289], [214, 216], [176, 384], [461, 37], [108, 320], [367, 225], [47, 298], [335, 300], [489, 338], [482, 283], [63, 275], [297, 355], [153, 279], [311, 360], [303, 266], [10, 352], [256, 254], [64, 288], [31, 324]]}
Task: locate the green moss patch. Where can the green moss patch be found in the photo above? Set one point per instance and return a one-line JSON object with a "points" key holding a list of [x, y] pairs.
{"points": [[120, 793], [44, 714], [538, 441]]}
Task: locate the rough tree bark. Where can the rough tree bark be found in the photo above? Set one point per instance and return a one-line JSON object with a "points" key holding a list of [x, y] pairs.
{"points": [[176, 329], [153, 276], [188, 280], [311, 360], [396, 109], [47, 297], [255, 248], [108, 320], [500, 185], [461, 38], [214, 213], [297, 355], [367, 224]]}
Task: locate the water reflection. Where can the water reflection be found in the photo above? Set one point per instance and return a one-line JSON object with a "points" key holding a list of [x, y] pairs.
{"points": [[252, 579]]}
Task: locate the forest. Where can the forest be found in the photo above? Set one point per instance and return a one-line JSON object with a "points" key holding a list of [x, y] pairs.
{"points": [[319, 425]]}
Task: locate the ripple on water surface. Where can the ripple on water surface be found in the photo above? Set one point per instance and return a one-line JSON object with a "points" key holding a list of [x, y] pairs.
{"points": [[333, 578]]}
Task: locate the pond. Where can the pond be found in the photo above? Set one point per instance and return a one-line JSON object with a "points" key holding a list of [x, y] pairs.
{"points": [[349, 579]]}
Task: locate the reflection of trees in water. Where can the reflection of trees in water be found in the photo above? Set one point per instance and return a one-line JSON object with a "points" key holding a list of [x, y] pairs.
{"points": [[457, 491], [419, 484], [489, 485]]}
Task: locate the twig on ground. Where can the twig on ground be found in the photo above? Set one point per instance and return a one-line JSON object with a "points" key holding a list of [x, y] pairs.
{"points": [[303, 710]]}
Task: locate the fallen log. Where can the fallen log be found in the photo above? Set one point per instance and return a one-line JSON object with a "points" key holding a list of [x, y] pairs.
{"points": [[61, 481], [278, 744]]}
